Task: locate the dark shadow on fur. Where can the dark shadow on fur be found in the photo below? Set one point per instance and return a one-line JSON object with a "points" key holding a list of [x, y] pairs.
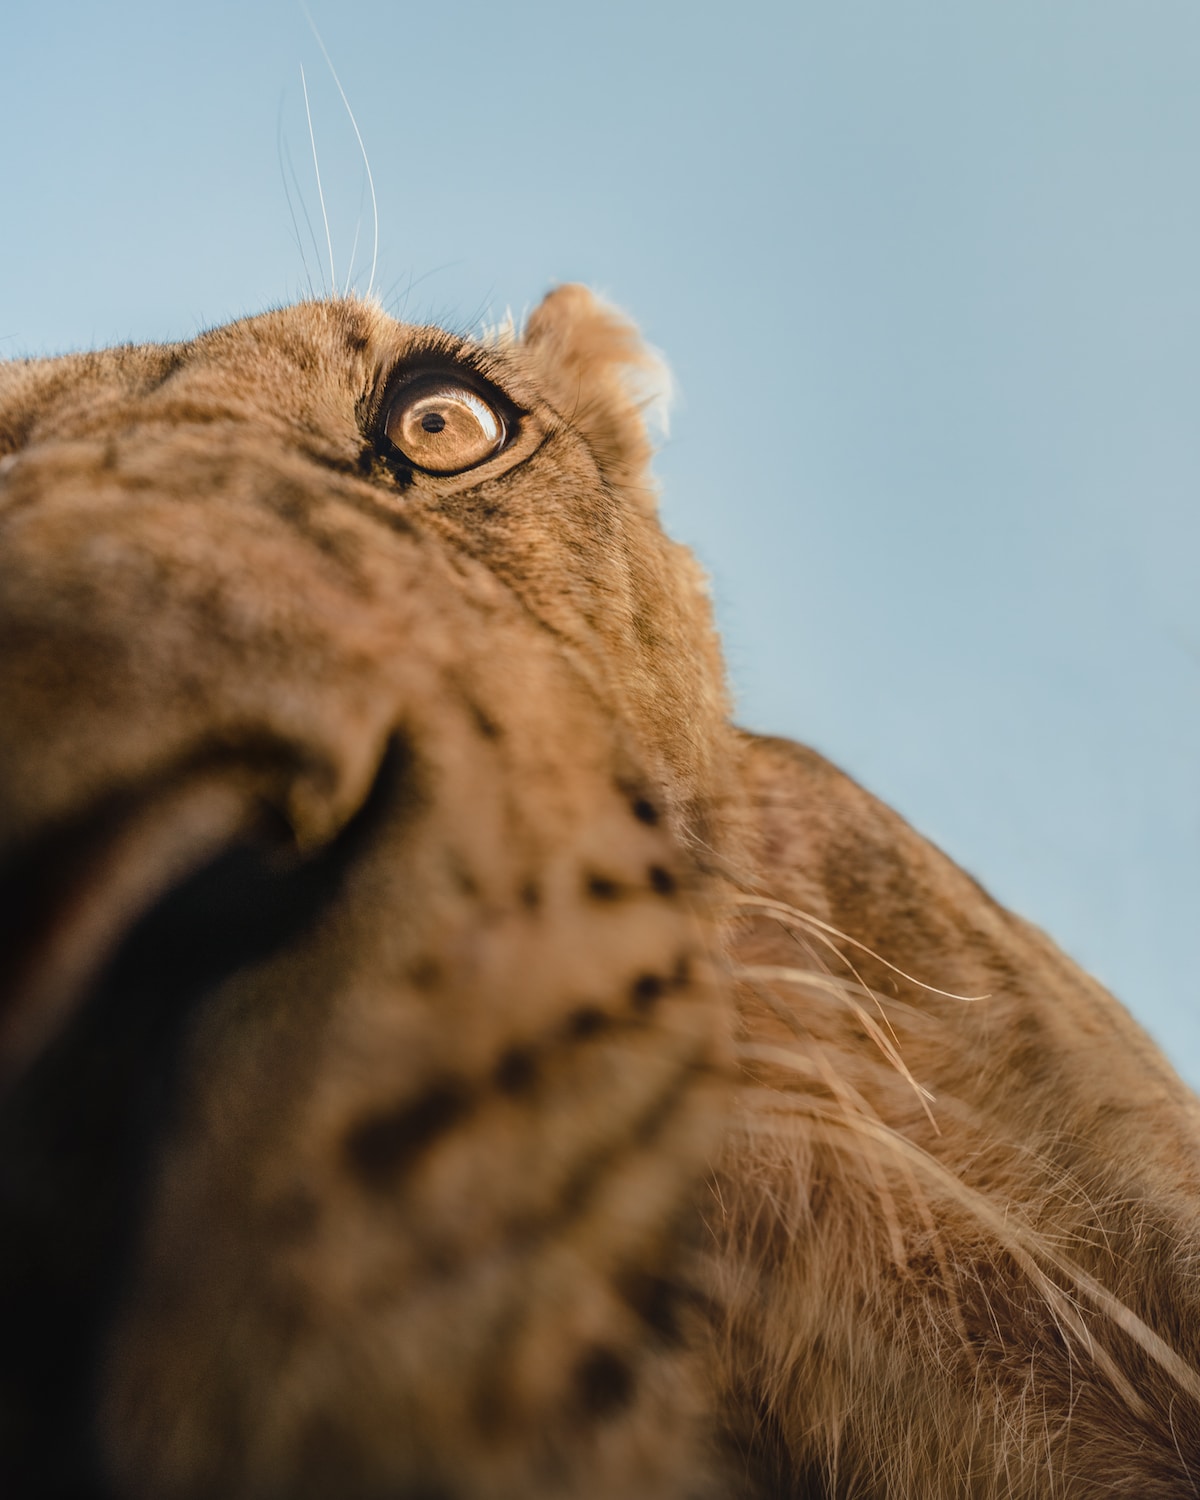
{"points": [[78, 1132]]}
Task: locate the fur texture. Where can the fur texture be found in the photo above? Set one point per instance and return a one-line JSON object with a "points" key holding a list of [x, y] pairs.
{"points": [[441, 1056]]}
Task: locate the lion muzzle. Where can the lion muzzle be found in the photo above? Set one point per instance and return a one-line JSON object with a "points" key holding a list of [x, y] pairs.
{"points": [[344, 1011]]}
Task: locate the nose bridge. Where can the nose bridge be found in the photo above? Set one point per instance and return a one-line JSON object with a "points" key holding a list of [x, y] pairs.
{"points": [[143, 626]]}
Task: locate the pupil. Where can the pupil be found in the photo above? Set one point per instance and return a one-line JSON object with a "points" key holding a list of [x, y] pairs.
{"points": [[433, 421]]}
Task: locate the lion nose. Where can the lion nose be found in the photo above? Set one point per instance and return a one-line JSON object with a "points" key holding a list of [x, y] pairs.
{"points": [[116, 929], [165, 893], [68, 896]]}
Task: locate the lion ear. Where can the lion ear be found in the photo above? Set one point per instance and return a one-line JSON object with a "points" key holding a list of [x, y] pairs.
{"points": [[611, 387]]}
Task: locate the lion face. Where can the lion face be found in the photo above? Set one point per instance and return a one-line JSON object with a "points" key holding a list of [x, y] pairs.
{"points": [[362, 1045], [439, 1057]]}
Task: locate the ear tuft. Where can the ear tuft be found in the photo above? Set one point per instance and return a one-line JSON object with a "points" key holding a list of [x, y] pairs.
{"points": [[607, 383]]}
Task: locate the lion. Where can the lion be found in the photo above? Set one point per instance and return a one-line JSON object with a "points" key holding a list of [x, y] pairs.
{"points": [[442, 1057]]}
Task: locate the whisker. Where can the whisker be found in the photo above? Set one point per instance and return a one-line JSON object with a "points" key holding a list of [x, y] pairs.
{"points": [[361, 147], [320, 191], [864, 987], [838, 1086], [853, 1107], [280, 151], [1024, 1245], [781, 908], [312, 234], [885, 1040], [353, 253]]}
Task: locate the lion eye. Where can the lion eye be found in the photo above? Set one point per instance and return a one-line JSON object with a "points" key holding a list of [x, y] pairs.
{"points": [[443, 427]]}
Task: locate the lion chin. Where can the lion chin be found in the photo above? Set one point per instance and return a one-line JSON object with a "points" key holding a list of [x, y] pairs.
{"points": [[441, 1056]]}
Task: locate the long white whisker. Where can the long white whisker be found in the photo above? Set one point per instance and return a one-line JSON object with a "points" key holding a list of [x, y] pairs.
{"points": [[354, 246], [287, 193], [312, 234], [361, 146], [320, 191], [353, 253]]}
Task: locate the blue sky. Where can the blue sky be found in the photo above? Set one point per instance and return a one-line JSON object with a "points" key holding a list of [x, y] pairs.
{"points": [[927, 276]]}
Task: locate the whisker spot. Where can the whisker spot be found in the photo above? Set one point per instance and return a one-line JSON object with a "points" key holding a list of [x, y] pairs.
{"points": [[516, 1072], [604, 1383], [645, 811], [645, 990], [380, 1146], [587, 1021]]}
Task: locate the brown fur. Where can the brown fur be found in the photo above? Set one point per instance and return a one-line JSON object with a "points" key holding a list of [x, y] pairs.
{"points": [[440, 1056]]}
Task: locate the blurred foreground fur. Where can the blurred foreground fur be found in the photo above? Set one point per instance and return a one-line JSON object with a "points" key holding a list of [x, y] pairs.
{"points": [[440, 1056]]}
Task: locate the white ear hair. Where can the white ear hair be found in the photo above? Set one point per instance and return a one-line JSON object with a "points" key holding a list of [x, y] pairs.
{"points": [[502, 334], [652, 385], [612, 387]]}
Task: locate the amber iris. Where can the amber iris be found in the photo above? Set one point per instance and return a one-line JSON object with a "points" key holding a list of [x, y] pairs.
{"points": [[443, 427]]}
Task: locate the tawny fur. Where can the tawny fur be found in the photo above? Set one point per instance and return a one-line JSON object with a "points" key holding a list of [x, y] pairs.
{"points": [[612, 1102]]}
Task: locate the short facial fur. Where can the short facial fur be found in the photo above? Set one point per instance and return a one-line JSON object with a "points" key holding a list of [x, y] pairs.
{"points": [[441, 1056]]}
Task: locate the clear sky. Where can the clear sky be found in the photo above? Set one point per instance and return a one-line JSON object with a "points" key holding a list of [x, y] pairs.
{"points": [[929, 277]]}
